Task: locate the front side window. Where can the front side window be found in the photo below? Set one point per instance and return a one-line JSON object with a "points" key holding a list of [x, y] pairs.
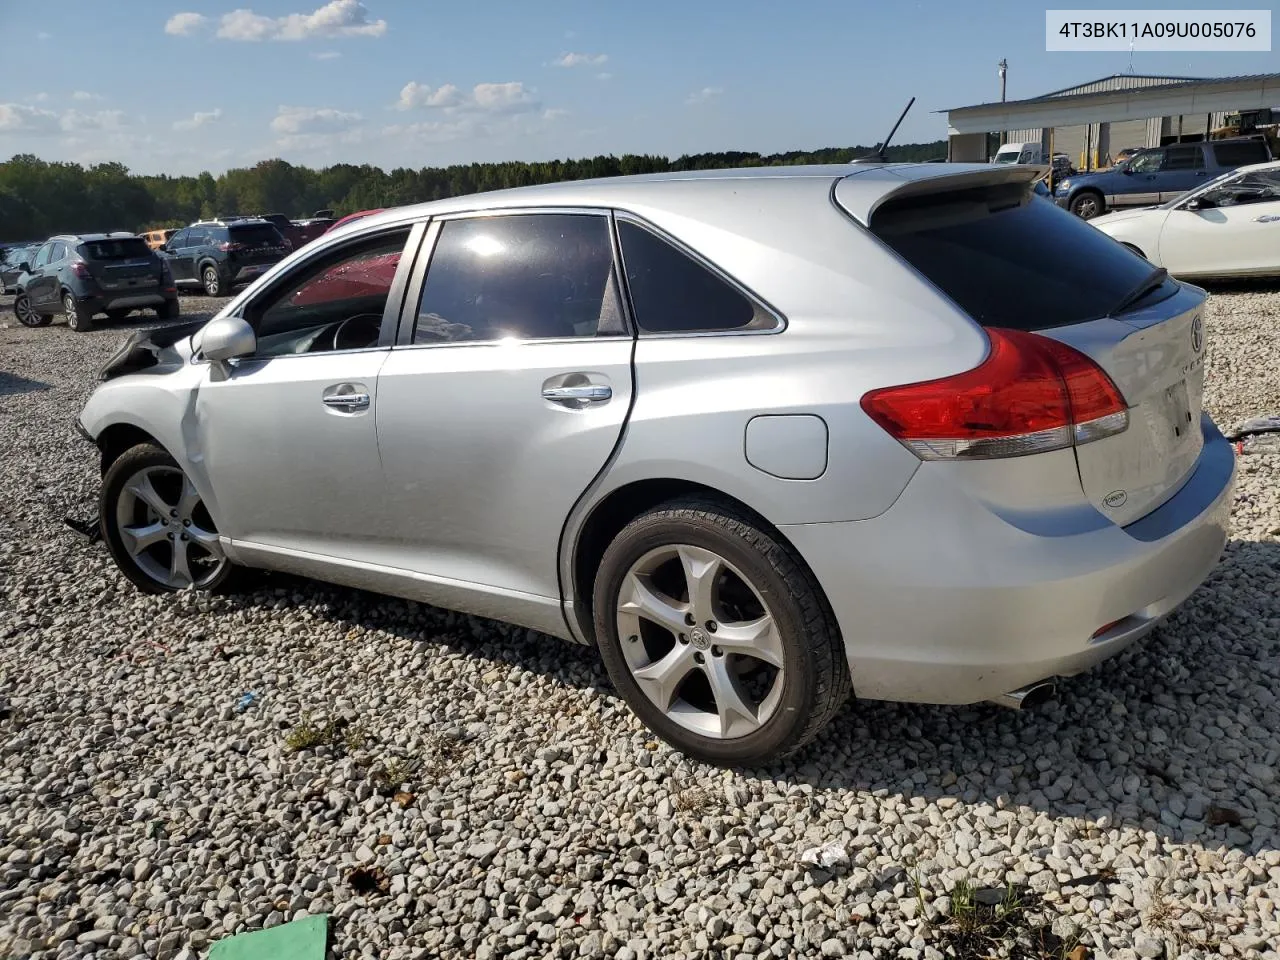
{"points": [[1148, 162], [1260, 186], [177, 241], [673, 293], [335, 302], [523, 276], [1183, 158]]}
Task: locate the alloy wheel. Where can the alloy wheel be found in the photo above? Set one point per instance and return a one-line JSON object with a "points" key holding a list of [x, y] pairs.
{"points": [[210, 282], [166, 529], [25, 313], [700, 641]]}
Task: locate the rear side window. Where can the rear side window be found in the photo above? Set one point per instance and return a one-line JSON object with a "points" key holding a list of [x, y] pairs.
{"points": [[255, 233], [1240, 153], [673, 293], [1183, 158], [1008, 261], [122, 249], [526, 276]]}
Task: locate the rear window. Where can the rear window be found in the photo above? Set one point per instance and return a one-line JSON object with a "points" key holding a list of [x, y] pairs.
{"points": [[125, 248], [1009, 259], [255, 233], [1241, 153]]}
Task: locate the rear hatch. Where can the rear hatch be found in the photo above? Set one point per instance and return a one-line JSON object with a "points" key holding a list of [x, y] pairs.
{"points": [[1014, 261], [121, 263], [254, 243]]}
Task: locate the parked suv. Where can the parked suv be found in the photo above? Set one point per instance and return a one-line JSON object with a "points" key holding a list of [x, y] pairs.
{"points": [[10, 261], [88, 274], [1157, 175], [220, 254]]}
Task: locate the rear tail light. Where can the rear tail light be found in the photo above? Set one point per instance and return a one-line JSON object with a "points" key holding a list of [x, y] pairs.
{"points": [[81, 270], [228, 247], [1032, 394]]}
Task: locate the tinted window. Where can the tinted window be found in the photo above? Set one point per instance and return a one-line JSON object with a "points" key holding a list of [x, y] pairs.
{"points": [[1260, 186], [1183, 158], [121, 249], [178, 240], [526, 276], [258, 234], [59, 253], [1240, 153], [1010, 262], [673, 293], [43, 256], [335, 303]]}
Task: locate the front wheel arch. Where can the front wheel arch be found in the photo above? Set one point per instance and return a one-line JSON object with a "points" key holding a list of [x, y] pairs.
{"points": [[119, 438]]}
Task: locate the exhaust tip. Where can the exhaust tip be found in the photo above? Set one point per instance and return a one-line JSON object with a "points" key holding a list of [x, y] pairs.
{"points": [[1028, 697]]}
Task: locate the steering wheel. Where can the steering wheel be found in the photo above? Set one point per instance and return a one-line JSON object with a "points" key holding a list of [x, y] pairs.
{"points": [[358, 331]]}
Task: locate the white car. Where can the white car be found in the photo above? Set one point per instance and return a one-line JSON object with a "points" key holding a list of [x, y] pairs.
{"points": [[1229, 227]]}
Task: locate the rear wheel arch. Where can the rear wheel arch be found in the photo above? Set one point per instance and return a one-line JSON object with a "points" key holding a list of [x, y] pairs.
{"points": [[608, 517]]}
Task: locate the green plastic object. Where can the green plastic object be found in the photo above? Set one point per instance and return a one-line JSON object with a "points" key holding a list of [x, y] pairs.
{"points": [[303, 939]]}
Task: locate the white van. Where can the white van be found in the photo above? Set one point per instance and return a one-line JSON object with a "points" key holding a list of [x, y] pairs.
{"points": [[1029, 152]]}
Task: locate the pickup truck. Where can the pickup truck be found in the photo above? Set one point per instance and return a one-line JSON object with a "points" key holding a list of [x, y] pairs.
{"points": [[1156, 175]]}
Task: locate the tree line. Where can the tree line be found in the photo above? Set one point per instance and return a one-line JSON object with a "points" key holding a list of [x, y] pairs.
{"points": [[39, 198]]}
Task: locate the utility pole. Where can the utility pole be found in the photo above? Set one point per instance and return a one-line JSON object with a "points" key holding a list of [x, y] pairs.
{"points": [[1004, 70]]}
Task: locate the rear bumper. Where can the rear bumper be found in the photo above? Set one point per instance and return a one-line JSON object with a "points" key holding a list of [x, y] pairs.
{"points": [[126, 299], [941, 600]]}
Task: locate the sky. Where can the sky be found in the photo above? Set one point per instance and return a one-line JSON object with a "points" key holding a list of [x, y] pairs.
{"points": [[190, 85]]}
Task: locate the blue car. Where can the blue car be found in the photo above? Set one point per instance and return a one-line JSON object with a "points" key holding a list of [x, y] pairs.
{"points": [[1156, 175]]}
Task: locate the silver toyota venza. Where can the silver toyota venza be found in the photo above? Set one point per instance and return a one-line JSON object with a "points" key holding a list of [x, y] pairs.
{"points": [[763, 437]]}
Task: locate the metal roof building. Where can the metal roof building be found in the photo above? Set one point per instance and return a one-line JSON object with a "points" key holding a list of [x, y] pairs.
{"points": [[1092, 121]]}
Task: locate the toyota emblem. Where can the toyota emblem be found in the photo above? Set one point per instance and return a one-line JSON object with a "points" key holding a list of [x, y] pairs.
{"points": [[1197, 334]]}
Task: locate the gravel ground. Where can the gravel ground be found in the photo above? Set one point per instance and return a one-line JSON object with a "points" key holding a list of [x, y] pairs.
{"points": [[445, 786]]}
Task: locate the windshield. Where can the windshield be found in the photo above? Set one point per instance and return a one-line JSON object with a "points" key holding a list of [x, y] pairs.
{"points": [[1007, 156], [1202, 188]]}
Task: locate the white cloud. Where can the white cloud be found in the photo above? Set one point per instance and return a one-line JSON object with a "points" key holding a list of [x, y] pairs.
{"points": [[705, 95], [414, 95], [84, 95], [326, 55], [184, 24], [73, 121], [554, 113], [199, 119], [338, 18], [511, 97], [504, 97], [20, 118], [582, 60], [292, 121]]}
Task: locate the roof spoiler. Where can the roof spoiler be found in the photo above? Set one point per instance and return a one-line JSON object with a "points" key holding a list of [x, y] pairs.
{"points": [[863, 197]]}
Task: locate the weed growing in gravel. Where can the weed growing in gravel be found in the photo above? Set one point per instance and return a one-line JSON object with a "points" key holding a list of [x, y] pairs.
{"points": [[334, 732], [990, 922], [693, 800]]}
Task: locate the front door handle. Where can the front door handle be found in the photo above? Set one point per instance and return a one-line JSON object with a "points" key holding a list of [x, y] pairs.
{"points": [[582, 393], [347, 401]]}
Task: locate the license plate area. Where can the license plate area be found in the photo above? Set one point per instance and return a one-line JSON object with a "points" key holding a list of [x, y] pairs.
{"points": [[1175, 403]]}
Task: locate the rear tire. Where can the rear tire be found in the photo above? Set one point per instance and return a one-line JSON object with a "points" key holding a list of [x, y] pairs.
{"points": [[79, 318], [26, 313], [149, 513], [754, 680], [169, 310], [211, 280]]}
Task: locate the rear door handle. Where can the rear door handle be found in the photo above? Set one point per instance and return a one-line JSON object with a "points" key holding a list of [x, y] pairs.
{"points": [[583, 393]]}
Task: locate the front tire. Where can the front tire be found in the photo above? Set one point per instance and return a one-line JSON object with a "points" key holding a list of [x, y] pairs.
{"points": [[212, 281], [717, 635], [26, 313], [1087, 205], [79, 318], [157, 528]]}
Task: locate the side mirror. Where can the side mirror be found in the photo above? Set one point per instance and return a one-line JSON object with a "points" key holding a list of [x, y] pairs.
{"points": [[225, 339], [1127, 170], [24, 267], [1195, 203]]}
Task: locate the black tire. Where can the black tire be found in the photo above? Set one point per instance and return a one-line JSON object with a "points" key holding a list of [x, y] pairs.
{"points": [[27, 315], [816, 681], [169, 310], [120, 313], [79, 317], [227, 578], [1088, 204], [211, 281]]}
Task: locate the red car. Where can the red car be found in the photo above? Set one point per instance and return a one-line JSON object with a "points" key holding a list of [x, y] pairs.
{"points": [[353, 217]]}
